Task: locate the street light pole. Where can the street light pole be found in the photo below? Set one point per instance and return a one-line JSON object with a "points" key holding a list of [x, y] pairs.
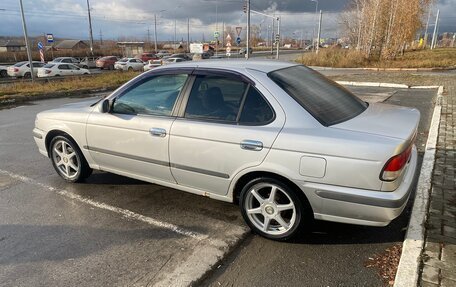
{"points": [[247, 52], [155, 32], [434, 36], [278, 37], [27, 43], [319, 33], [316, 19], [90, 28]]}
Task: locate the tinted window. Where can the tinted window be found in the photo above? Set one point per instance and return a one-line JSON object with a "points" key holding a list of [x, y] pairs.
{"points": [[37, 65], [328, 102], [215, 98], [67, 61], [64, 67], [155, 96], [255, 110]]}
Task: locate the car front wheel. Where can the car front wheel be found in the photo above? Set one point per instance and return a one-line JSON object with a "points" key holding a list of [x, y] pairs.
{"points": [[272, 209], [68, 160]]}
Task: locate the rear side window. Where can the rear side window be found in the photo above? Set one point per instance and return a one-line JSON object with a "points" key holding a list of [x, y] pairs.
{"points": [[325, 100], [255, 110], [215, 98]]}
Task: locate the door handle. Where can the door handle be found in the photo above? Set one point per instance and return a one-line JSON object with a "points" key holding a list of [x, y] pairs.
{"points": [[158, 132], [251, 145]]}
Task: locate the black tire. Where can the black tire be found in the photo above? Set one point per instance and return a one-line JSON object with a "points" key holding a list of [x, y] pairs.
{"points": [[27, 75], [85, 67], [111, 67], [57, 75], [3, 74], [130, 69], [84, 170], [303, 212]]}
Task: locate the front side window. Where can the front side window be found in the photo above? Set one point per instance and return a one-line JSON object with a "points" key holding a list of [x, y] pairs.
{"points": [[326, 101], [155, 96], [215, 98]]}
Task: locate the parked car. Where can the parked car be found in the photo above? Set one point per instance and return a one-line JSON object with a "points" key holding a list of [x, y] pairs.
{"points": [[22, 69], [282, 140], [107, 62], [69, 60], [61, 69], [129, 64], [242, 51], [87, 63], [151, 64], [163, 53], [168, 61], [147, 56], [179, 55], [206, 55], [3, 72]]}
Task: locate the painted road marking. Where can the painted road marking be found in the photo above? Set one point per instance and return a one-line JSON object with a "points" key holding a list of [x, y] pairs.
{"points": [[124, 212]]}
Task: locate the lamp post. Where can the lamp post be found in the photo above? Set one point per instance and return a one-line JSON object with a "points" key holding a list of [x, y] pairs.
{"points": [[316, 20]]}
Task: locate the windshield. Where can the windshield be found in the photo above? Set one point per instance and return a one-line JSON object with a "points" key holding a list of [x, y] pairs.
{"points": [[327, 101], [19, 64]]}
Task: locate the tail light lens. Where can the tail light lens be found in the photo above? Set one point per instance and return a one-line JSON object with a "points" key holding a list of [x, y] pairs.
{"points": [[47, 71], [395, 165], [16, 70]]}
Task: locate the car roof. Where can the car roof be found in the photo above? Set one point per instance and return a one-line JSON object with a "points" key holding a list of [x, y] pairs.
{"points": [[265, 66]]}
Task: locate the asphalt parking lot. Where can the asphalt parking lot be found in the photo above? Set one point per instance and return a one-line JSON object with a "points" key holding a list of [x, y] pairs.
{"points": [[115, 231]]}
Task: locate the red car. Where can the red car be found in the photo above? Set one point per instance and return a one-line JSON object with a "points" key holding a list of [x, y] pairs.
{"points": [[147, 56], [106, 62]]}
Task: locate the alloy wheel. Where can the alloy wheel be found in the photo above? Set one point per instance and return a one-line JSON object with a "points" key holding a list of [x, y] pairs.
{"points": [[66, 159]]}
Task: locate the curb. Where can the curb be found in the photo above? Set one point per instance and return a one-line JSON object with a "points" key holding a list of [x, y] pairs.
{"points": [[409, 265], [387, 69], [385, 85]]}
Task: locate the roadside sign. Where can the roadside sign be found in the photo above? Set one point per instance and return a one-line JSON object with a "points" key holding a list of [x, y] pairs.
{"points": [[50, 38], [238, 31], [196, 48], [228, 49], [228, 38], [238, 40], [40, 45], [216, 34]]}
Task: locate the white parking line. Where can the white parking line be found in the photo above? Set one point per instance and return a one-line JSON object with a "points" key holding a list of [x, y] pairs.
{"points": [[124, 212]]}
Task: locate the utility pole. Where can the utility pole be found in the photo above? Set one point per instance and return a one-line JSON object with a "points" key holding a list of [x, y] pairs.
{"points": [[427, 27], [90, 27], [188, 35], [272, 37], [155, 32], [101, 38], [27, 43], [319, 33], [278, 37], [174, 43], [434, 35], [247, 52], [148, 36]]}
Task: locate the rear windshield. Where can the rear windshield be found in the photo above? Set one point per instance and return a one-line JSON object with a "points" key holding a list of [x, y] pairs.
{"points": [[123, 60], [49, 66], [327, 101], [19, 64]]}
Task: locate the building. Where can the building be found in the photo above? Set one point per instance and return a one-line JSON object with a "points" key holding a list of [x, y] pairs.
{"points": [[131, 49], [173, 46], [11, 46], [71, 45]]}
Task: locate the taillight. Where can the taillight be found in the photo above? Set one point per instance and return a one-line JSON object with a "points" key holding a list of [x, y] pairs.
{"points": [[16, 70], [47, 71], [395, 165]]}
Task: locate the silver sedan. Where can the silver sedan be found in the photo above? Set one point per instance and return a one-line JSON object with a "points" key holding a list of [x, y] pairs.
{"points": [[281, 140]]}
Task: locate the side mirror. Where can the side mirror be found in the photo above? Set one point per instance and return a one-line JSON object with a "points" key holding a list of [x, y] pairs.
{"points": [[106, 106]]}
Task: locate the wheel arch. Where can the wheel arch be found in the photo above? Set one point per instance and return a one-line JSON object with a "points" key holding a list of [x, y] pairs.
{"points": [[247, 177], [52, 134]]}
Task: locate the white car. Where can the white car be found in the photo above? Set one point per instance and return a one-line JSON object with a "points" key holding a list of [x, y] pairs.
{"points": [[129, 64], [68, 60], [152, 64], [3, 72], [173, 60], [280, 139], [56, 69], [22, 69]]}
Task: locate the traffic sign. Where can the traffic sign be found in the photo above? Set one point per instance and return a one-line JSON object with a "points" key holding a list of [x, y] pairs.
{"points": [[216, 34], [238, 40], [50, 38], [40, 45], [238, 31], [228, 44]]}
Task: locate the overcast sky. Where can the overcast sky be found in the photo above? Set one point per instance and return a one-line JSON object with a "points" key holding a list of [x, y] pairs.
{"points": [[132, 18]]}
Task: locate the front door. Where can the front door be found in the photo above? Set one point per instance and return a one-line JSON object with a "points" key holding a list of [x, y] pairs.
{"points": [[133, 138]]}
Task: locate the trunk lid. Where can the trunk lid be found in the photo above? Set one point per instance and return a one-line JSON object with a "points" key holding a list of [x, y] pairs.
{"points": [[384, 120]]}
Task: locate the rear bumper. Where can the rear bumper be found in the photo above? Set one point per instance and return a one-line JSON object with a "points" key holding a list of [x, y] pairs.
{"points": [[358, 206]]}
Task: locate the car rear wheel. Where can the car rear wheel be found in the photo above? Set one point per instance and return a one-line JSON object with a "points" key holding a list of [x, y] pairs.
{"points": [[3, 74], [27, 75], [68, 160], [272, 209], [111, 67], [130, 69]]}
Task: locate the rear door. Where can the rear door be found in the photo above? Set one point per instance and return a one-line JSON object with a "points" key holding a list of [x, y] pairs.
{"points": [[226, 124]]}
